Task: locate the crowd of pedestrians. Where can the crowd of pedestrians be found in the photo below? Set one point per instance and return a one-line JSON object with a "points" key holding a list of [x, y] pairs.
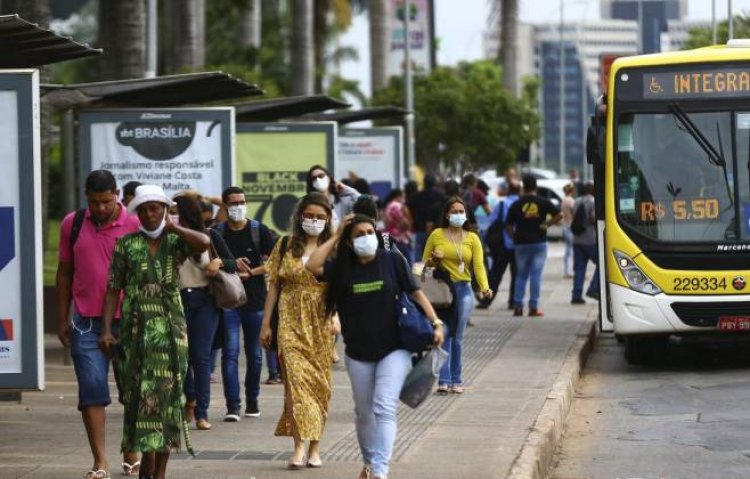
{"points": [[134, 288]]}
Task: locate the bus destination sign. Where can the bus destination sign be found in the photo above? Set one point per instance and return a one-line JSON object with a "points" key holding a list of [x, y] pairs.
{"points": [[697, 84]]}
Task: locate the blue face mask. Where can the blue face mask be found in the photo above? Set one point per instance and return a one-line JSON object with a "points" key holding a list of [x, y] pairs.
{"points": [[457, 220]]}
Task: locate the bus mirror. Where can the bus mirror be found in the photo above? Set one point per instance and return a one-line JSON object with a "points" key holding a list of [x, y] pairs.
{"points": [[592, 146]]}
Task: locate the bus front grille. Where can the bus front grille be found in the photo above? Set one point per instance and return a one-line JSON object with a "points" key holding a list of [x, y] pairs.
{"points": [[707, 314]]}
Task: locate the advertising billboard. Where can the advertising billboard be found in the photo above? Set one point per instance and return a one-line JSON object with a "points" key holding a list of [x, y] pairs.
{"points": [[375, 154], [175, 148], [419, 33], [21, 341], [272, 164]]}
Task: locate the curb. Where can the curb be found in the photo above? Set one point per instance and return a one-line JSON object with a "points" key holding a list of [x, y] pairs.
{"points": [[538, 450]]}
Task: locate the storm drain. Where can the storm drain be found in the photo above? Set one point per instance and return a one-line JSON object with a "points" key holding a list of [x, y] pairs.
{"points": [[481, 344]]}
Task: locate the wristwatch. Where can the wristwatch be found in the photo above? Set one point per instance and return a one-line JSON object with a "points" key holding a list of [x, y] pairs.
{"points": [[436, 322]]}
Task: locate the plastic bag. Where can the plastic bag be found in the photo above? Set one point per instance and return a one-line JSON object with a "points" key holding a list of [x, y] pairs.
{"points": [[421, 379]]}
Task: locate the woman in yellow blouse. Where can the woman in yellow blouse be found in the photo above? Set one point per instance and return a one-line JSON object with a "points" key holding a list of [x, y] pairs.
{"points": [[457, 249]]}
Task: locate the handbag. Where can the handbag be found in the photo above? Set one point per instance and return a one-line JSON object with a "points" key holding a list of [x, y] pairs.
{"points": [[421, 379], [414, 329], [227, 288], [438, 292]]}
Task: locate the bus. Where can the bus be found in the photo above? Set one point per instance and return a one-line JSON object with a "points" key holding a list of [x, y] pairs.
{"points": [[670, 148]]}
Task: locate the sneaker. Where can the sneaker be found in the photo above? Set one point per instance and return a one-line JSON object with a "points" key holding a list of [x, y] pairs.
{"points": [[232, 415], [577, 301], [533, 312], [274, 380], [252, 409], [518, 311], [593, 295]]}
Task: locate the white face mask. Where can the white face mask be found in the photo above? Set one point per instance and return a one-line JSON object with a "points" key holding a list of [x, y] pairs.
{"points": [[153, 234], [365, 246], [321, 184], [313, 227], [237, 213], [457, 219]]}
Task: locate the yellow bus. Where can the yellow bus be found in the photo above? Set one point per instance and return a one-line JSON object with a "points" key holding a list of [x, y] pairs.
{"points": [[670, 145]]}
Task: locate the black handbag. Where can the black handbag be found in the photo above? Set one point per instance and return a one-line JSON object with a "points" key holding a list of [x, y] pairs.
{"points": [[275, 316]]}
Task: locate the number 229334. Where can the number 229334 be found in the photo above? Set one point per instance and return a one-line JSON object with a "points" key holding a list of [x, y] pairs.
{"points": [[699, 284]]}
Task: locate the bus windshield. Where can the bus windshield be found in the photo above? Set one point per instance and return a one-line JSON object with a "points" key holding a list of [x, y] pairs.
{"points": [[675, 175]]}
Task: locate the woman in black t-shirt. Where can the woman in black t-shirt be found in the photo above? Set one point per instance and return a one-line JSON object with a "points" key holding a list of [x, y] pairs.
{"points": [[363, 283]]}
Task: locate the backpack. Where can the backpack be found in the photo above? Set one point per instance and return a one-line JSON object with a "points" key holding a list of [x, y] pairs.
{"points": [[254, 233], [75, 230], [495, 235], [580, 220]]}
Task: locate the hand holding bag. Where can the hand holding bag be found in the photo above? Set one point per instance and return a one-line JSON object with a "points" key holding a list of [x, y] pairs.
{"points": [[421, 379], [227, 288]]}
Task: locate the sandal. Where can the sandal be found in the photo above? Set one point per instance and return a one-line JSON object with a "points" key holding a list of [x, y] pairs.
{"points": [[457, 389], [131, 469], [443, 389], [98, 474]]}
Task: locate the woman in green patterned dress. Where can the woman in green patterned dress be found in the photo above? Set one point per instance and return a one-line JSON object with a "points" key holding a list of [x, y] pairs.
{"points": [[153, 339]]}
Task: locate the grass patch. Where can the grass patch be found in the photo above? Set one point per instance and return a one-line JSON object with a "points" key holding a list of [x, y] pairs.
{"points": [[50, 253]]}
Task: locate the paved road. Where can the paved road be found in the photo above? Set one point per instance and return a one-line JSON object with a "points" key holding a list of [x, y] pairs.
{"points": [[685, 416]]}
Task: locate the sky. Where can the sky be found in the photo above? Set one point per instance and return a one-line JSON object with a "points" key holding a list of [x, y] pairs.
{"points": [[460, 26]]}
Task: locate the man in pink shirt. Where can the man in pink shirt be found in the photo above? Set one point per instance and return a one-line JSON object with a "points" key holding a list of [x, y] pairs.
{"points": [[87, 240]]}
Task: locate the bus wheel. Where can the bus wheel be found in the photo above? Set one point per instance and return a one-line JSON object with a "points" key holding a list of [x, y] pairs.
{"points": [[638, 350]]}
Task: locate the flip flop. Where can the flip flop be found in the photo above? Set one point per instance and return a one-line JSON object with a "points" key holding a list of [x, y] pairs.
{"points": [[131, 469], [98, 474]]}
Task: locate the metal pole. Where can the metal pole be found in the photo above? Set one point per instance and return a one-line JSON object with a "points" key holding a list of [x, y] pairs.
{"points": [[562, 88], [731, 19], [409, 89], [68, 170], [151, 21], [713, 22]]}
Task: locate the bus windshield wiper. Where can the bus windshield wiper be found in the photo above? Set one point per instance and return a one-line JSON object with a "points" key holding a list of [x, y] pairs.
{"points": [[715, 157]]}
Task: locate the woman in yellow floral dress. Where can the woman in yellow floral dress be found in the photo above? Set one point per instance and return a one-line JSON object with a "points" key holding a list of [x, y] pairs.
{"points": [[304, 335]]}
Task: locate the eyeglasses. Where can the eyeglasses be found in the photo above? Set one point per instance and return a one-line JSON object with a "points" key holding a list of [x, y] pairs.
{"points": [[237, 203]]}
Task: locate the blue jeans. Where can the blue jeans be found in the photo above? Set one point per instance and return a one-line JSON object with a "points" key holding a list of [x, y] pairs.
{"points": [[250, 322], [450, 373], [582, 254], [375, 389], [272, 364], [90, 364], [568, 239], [202, 319], [529, 266], [420, 239]]}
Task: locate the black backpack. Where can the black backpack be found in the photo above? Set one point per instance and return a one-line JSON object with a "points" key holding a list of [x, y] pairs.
{"points": [[580, 220], [494, 238]]}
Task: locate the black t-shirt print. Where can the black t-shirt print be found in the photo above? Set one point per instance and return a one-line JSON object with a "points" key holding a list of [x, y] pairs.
{"points": [[366, 305], [527, 216], [240, 244]]}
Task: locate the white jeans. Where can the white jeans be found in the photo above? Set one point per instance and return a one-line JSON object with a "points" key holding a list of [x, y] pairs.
{"points": [[375, 388]]}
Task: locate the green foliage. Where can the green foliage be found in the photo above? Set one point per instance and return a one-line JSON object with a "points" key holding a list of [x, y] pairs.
{"points": [[339, 87], [464, 116], [702, 37]]}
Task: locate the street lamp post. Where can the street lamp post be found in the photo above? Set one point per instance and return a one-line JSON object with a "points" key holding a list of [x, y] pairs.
{"points": [[409, 95]]}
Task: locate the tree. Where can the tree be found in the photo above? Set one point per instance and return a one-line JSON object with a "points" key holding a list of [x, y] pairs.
{"points": [[303, 81], [508, 36], [379, 44], [464, 117], [703, 37], [250, 29], [122, 35], [185, 35]]}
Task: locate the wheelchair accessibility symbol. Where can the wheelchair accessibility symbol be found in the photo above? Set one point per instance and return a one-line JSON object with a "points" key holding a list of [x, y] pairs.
{"points": [[7, 236], [655, 86]]}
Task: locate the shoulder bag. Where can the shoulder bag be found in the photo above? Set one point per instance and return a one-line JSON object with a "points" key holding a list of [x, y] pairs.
{"points": [[227, 288], [438, 292], [415, 330], [275, 316]]}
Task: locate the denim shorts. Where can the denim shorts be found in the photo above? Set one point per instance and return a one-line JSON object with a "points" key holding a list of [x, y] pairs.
{"points": [[90, 363]]}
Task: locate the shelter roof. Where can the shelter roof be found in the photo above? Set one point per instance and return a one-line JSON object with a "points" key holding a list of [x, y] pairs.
{"points": [[367, 113], [290, 107]]}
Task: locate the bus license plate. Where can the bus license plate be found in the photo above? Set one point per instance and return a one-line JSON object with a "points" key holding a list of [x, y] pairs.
{"points": [[734, 323]]}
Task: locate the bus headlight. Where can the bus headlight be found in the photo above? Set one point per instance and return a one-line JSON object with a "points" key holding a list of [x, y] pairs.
{"points": [[637, 279]]}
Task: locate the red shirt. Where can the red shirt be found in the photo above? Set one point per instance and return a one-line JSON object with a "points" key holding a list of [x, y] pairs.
{"points": [[91, 256]]}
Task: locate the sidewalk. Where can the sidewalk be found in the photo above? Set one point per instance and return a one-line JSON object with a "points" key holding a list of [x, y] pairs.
{"points": [[510, 367]]}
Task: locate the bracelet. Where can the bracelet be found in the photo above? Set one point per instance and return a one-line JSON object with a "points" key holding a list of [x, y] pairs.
{"points": [[436, 322]]}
